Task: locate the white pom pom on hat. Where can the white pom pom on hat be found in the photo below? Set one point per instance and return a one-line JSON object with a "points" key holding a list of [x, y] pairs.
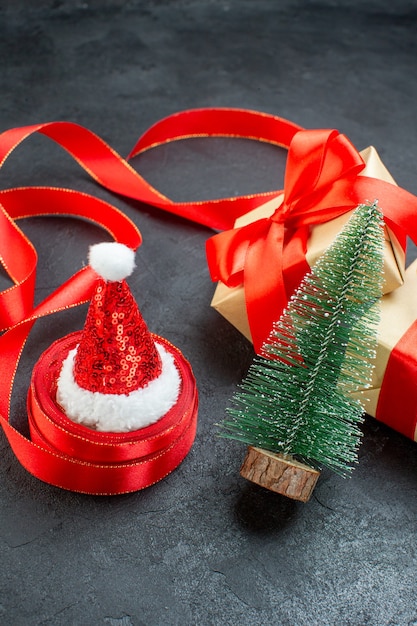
{"points": [[111, 260]]}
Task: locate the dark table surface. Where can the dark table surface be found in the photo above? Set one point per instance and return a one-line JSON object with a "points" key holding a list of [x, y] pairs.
{"points": [[203, 546]]}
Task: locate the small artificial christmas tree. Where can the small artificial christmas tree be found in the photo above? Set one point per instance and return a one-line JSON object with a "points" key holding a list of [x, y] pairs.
{"points": [[295, 409]]}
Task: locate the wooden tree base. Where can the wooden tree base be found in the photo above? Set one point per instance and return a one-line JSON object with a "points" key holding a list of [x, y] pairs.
{"points": [[277, 473]]}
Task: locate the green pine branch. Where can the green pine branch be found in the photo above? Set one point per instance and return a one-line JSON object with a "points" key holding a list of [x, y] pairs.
{"points": [[297, 396]]}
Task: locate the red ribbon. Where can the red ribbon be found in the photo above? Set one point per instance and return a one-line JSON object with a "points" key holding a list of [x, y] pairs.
{"points": [[397, 400], [113, 172], [108, 463], [321, 182]]}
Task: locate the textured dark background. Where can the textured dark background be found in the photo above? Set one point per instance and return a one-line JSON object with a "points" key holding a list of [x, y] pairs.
{"points": [[203, 547]]}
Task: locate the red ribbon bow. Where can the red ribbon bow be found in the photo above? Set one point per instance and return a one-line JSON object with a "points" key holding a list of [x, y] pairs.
{"points": [[267, 256]]}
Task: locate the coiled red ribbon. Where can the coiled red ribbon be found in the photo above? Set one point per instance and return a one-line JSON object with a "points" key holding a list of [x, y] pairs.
{"points": [[321, 182], [112, 462]]}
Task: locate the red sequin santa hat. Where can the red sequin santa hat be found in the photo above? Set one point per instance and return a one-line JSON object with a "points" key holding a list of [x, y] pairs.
{"points": [[119, 378]]}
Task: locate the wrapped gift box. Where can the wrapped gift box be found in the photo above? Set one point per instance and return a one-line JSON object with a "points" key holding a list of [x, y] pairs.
{"points": [[230, 302], [392, 396]]}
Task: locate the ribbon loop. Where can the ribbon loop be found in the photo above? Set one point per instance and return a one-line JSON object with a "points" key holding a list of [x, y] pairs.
{"points": [[316, 159]]}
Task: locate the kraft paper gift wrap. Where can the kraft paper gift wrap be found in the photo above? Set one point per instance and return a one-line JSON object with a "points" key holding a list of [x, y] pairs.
{"points": [[230, 301], [392, 396]]}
